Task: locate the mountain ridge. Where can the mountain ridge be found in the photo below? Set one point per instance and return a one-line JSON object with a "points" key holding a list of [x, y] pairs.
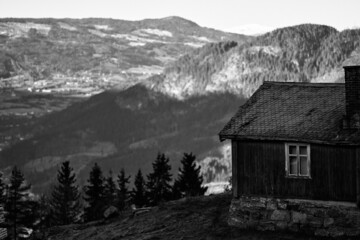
{"points": [[303, 53]]}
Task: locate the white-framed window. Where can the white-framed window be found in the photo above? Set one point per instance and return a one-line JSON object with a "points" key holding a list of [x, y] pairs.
{"points": [[297, 160]]}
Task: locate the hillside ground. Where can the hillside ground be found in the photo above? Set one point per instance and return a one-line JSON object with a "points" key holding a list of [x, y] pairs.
{"points": [[189, 218]]}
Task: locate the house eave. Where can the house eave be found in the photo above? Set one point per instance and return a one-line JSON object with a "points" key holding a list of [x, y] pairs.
{"points": [[282, 139]]}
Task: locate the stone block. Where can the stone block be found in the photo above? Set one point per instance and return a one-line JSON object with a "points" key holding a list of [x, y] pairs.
{"points": [[280, 215], [281, 225], [281, 205], [236, 222], [293, 206], [334, 213], [315, 222], [321, 232], [252, 205], [293, 227], [336, 232], [271, 206], [352, 232], [252, 224], [266, 226], [328, 222], [298, 217], [307, 217], [255, 215], [317, 212]]}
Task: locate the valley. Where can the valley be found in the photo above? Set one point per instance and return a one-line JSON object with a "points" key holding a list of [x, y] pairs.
{"points": [[118, 92]]}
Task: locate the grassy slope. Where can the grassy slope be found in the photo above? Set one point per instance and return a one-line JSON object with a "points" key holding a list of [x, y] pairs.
{"points": [[192, 218]]}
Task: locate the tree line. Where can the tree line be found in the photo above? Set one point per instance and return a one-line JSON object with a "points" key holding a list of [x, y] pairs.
{"points": [[100, 197]]}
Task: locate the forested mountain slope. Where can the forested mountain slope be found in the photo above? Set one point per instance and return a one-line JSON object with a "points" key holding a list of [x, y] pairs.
{"points": [[301, 53]]}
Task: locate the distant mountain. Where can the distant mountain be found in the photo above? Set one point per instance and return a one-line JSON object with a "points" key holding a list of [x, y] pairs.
{"points": [[301, 53], [85, 56], [125, 129]]}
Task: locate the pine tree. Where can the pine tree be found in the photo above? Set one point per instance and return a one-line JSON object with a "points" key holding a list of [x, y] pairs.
{"points": [[158, 184], [110, 190], [123, 192], [2, 190], [95, 195], [65, 202], [18, 205], [2, 197], [189, 178], [138, 196]]}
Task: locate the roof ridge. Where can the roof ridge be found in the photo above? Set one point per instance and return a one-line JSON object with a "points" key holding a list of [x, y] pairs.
{"points": [[307, 84]]}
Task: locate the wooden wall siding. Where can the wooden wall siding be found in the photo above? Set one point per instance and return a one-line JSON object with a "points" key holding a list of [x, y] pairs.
{"points": [[260, 168], [3, 231]]}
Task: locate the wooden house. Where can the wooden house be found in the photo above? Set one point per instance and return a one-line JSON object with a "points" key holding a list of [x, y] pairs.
{"points": [[298, 140]]}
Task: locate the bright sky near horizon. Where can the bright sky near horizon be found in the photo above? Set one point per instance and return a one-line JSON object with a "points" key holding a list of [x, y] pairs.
{"points": [[226, 15]]}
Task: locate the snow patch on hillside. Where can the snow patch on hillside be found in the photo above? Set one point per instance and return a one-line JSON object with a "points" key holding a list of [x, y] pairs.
{"points": [[202, 39], [194, 44], [14, 29], [98, 33], [136, 39], [137, 44], [103, 27], [67, 26], [153, 31]]}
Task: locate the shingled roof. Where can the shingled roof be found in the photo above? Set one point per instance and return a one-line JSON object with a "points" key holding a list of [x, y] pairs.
{"points": [[309, 112]]}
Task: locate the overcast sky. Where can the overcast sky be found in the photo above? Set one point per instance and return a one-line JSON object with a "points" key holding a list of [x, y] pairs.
{"points": [[219, 14]]}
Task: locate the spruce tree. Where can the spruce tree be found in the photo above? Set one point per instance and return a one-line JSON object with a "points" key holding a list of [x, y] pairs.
{"points": [[2, 197], [2, 190], [123, 192], [95, 195], [158, 184], [110, 190], [189, 178], [18, 205], [65, 202], [138, 193]]}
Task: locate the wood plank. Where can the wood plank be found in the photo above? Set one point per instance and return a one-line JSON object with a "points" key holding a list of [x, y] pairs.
{"points": [[357, 160], [234, 162], [261, 171]]}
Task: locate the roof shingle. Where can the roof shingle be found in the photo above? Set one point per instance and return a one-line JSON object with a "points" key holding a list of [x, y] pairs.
{"points": [[310, 112]]}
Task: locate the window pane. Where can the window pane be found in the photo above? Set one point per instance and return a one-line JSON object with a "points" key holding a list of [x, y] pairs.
{"points": [[293, 168], [292, 149], [303, 166], [303, 150]]}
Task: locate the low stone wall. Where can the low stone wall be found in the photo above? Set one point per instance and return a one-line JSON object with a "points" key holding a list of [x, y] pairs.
{"points": [[320, 218]]}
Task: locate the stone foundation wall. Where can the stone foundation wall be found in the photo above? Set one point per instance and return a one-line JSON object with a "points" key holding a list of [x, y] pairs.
{"points": [[320, 218]]}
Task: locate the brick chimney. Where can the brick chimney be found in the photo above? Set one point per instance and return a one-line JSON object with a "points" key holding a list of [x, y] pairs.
{"points": [[352, 95]]}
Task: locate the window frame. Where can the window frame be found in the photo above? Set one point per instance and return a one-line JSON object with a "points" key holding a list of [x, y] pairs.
{"points": [[297, 155]]}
